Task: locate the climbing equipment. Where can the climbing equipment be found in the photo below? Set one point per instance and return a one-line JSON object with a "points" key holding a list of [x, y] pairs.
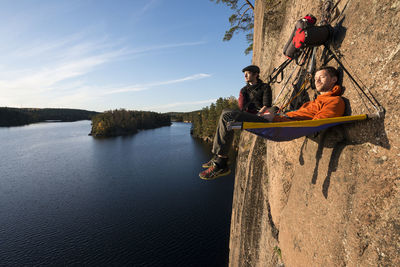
{"points": [[302, 49]]}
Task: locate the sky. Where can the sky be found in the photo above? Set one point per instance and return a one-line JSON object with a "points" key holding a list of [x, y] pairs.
{"points": [[153, 55]]}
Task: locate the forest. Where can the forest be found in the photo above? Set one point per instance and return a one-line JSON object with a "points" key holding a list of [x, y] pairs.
{"points": [[124, 122], [24, 116], [204, 121]]}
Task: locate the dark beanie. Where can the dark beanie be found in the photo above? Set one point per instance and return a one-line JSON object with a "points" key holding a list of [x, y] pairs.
{"points": [[252, 68]]}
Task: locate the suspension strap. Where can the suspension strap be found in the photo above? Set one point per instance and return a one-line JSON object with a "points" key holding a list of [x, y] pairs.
{"points": [[333, 8], [374, 102], [341, 12], [273, 77]]}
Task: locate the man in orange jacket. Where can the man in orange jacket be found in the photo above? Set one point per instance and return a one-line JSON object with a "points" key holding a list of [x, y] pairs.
{"points": [[328, 104]]}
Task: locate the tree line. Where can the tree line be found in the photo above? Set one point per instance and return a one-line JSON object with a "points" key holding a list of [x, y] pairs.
{"points": [[204, 121], [123, 122], [24, 116]]}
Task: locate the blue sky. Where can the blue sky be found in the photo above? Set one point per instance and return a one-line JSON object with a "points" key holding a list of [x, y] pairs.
{"points": [[158, 55]]}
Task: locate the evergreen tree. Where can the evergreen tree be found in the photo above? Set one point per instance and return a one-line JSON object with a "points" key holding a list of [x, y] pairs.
{"points": [[242, 20], [205, 121], [22, 116], [123, 122]]}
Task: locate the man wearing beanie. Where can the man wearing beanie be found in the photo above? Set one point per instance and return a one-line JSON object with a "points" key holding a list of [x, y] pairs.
{"points": [[254, 99]]}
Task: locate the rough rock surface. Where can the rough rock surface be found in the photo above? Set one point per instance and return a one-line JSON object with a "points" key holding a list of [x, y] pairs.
{"points": [[332, 200]]}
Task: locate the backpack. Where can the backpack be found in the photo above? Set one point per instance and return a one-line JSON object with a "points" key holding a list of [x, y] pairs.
{"points": [[306, 34]]}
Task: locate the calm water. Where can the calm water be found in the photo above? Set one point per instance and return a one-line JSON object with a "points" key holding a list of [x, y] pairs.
{"points": [[69, 199]]}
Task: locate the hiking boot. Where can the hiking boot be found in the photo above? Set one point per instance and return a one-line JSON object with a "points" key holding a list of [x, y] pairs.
{"points": [[214, 172], [210, 162], [213, 160]]}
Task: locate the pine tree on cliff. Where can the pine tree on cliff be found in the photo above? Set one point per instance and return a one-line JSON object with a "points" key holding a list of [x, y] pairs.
{"points": [[242, 20]]}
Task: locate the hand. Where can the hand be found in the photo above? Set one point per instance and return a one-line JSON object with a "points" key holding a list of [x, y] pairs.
{"points": [[262, 110], [268, 116]]}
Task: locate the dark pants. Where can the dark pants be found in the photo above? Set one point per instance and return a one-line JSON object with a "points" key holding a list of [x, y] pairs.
{"points": [[223, 138]]}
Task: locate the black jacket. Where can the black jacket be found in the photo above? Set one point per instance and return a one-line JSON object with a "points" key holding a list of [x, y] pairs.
{"points": [[253, 97]]}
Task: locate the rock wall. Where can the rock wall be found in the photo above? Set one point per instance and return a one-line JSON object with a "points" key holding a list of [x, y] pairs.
{"points": [[332, 200]]}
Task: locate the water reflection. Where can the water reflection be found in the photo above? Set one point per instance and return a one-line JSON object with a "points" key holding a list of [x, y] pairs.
{"points": [[69, 198]]}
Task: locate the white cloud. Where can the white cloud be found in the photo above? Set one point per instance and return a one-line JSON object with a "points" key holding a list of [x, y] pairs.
{"points": [[125, 89], [164, 46], [138, 13], [55, 56], [148, 5], [56, 70], [44, 79], [74, 60], [40, 47], [141, 87]]}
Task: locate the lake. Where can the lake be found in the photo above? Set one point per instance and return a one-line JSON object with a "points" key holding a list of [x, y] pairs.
{"points": [[67, 198]]}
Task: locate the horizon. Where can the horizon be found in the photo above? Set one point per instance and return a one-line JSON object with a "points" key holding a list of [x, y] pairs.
{"points": [[161, 56], [107, 110]]}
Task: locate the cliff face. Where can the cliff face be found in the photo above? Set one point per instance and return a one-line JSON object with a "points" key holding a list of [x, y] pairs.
{"points": [[332, 200]]}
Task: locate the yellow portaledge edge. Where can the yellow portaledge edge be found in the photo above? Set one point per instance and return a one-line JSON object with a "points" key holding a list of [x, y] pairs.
{"points": [[305, 123]]}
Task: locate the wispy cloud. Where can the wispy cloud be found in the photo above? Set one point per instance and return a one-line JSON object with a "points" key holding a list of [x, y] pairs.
{"points": [[45, 78], [148, 5], [164, 46], [71, 57], [63, 69], [40, 47], [141, 87], [139, 12]]}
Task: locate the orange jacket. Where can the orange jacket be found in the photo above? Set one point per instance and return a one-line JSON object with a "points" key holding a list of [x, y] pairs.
{"points": [[327, 105]]}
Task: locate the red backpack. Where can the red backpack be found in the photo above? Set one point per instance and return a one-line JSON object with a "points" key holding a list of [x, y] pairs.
{"points": [[306, 34]]}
